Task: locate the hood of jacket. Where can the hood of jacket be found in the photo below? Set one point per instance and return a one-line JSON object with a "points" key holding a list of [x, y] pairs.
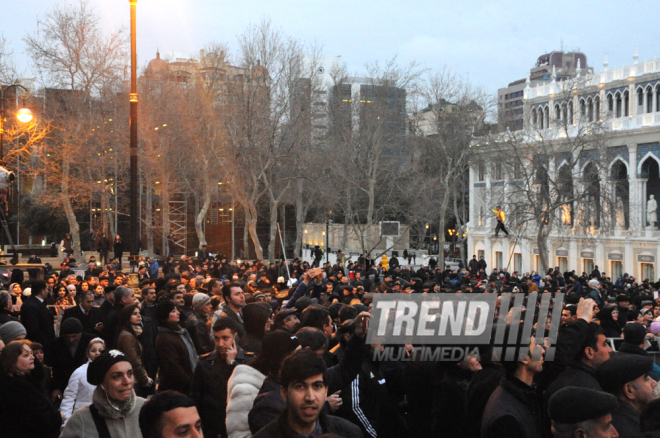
{"points": [[255, 316]]}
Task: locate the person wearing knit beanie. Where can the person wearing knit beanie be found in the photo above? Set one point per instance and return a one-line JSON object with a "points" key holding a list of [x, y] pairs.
{"points": [[12, 331], [98, 368], [200, 300]]}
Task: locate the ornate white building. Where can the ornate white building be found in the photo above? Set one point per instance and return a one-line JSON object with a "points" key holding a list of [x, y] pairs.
{"points": [[627, 101]]}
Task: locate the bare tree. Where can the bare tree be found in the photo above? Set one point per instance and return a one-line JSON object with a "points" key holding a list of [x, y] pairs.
{"points": [[455, 112], [69, 50], [368, 130]]}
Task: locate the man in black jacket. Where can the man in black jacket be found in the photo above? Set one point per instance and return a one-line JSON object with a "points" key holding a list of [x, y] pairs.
{"points": [[626, 376], [209, 385], [582, 371], [35, 317], [65, 354], [303, 378], [85, 312], [514, 409]]}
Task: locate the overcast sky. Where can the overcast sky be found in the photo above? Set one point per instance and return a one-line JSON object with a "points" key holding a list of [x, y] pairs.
{"points": [[494, 42]]}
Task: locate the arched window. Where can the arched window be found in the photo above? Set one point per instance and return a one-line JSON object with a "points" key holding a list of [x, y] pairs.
{"points": [[557, 112], [610, 104], [583, 108], [591, 181], [596, 108], [590, 110], [534, 119], [626, 104], [570, 112], [649, 99], [546, 116], [618, 102]]}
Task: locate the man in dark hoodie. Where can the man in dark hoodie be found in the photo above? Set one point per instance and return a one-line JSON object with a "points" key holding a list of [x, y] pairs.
{"points": [[258, 320]]}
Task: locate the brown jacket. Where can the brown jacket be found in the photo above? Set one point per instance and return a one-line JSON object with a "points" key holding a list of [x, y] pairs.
{"points": [[131, 347], [175, 370]]}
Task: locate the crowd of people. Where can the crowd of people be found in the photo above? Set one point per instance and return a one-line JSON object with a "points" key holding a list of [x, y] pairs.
{"points": [[217, 348]]}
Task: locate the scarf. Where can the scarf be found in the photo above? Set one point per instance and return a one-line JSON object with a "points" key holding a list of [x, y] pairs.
{"points": [[111, 409], [137, 329]]}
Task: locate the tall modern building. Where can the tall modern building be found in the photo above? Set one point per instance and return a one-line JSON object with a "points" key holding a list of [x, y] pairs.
{"points": [[563, 65]]}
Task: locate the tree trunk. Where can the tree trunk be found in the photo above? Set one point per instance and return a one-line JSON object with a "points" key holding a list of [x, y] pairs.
{"points": [[104, 217], [300, 220], [74, 228], [251, 221], [272, 238], [441, 229], [201, 215], [246, 235]]}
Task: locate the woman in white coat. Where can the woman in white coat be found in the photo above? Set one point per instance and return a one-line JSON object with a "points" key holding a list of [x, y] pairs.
{"points": [[78, 392]]}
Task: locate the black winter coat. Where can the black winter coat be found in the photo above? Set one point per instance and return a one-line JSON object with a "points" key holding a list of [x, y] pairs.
{"points": [[58, 356], [38, 321], [25, 412], [209, 390], [482, 386], [513, 411], [279, 428], [269, 404]]}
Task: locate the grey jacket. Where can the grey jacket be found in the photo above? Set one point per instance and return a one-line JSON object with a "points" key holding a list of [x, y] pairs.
{"points": [[123, 423]]}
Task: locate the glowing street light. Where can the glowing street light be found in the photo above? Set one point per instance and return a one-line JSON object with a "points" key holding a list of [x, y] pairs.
{"points": [[24, 115]]}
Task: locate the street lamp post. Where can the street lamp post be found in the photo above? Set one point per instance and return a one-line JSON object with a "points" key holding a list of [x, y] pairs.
{"points": [[24, 116], [327, 240], [133, 99]]}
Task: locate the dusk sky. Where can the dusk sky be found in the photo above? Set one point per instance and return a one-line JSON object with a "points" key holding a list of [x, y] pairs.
{"points": [[493, 42]]}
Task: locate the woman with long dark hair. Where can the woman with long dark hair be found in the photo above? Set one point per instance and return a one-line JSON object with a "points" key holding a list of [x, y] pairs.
{"points": [[129, 329], [177, 356], [24, 408]]}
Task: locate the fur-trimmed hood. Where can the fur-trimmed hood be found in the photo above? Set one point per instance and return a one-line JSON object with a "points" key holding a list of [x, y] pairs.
{"points": [[242, 388]]}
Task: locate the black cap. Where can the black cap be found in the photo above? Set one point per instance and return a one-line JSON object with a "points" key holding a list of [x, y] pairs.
{"points": [[634, 333], [98, 368], [284, 314], [621, 298], [567, 406], [71, 327], [621, 369]]}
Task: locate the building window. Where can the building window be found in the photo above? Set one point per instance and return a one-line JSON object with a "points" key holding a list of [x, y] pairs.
{"points": [[499, 260], [562, 262], [482, 171], [648, 272], [588, 265], [537, 262], [616, 269], [517, 262], [480, 254], [498, 171]]}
